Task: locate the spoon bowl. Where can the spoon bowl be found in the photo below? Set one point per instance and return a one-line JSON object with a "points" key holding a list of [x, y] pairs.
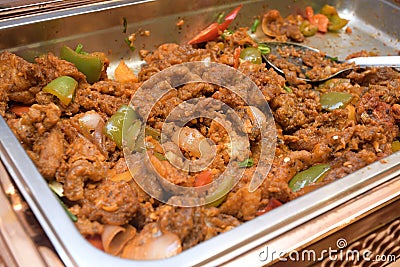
{"points": [[287, 57]]}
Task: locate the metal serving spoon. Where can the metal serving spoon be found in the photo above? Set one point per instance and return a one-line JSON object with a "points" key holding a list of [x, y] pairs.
{"points": [[378, 61]]}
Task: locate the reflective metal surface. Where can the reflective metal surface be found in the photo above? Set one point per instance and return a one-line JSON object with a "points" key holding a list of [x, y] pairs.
{"points": [[99, 27], [12, 9], [356, 218], [22, 241]]}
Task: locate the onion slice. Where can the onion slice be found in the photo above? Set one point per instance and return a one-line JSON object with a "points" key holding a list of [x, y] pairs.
{"points": [[114, 238], [152, 244], [90, 120], [90, 125], [192, 141]]}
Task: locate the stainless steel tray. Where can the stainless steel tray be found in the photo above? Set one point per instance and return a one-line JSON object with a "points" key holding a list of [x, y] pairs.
{"points": [[12, 8], [100, 27]]}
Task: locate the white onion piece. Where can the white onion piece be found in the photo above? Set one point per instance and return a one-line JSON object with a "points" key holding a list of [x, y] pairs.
{"points": [[98, 136], [192, 141], [90, 120], [207, 61], [152, 244], [258, 117], [205, 148], [57, 188], [114, 238], [179, 162]]}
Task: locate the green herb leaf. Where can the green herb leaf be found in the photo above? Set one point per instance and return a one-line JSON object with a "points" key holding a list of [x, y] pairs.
{"points": [[255, 25], [70, 214], [220, 17], [159, 156], [129, 43], [246, 163], [264, 49], [287, 89], [79, 50], [125, 25]]}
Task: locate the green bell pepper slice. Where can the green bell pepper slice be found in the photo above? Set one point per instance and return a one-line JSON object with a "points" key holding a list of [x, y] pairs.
{"points": [[335, 21], [130, 115], [308, 29], [131, 134], [395, 146], [263, 48], [149, 131], [334, 100], [251, 54], [113, 128], [328, 10], [63, 88], [89, 64], [124, 120], [219, 194], [313, 174]]}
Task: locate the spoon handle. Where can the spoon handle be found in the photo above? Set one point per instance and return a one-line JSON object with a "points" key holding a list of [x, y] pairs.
{"points": [[380, 61]]}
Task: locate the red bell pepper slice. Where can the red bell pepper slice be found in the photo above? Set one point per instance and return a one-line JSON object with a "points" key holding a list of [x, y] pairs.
{"points": [[236, 57], [19, 110], [215, 29], [203, 178], [272, 204], [309, 13], [320, 20], [95, 240]]}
